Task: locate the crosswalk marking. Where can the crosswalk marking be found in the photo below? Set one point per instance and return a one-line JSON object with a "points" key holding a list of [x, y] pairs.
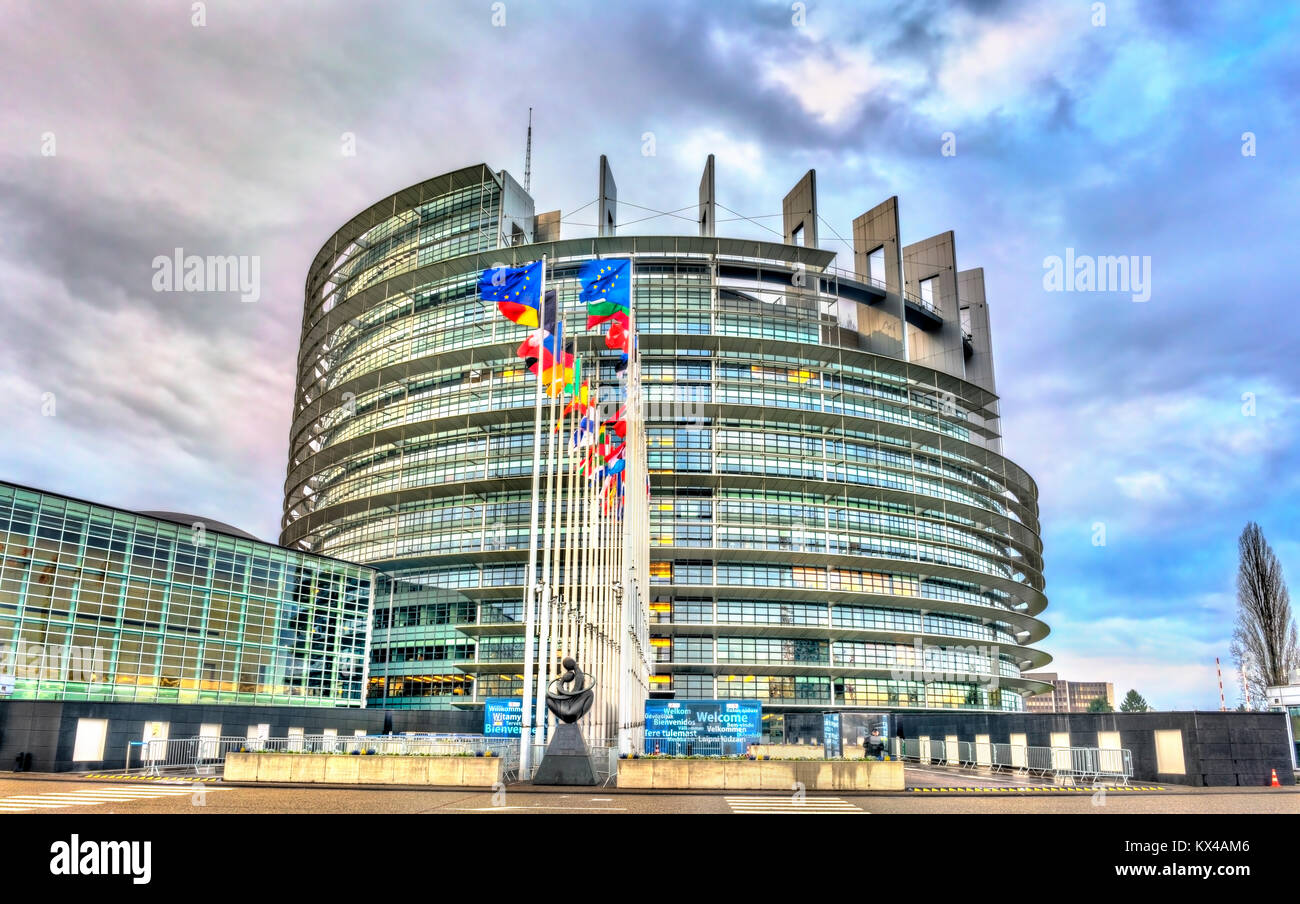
{"points": [[1039, 789], [788, 805], [86, 797], [171, 779]]}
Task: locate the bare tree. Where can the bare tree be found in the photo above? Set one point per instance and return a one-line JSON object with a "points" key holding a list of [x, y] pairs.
{"points": [[1264, 640]]}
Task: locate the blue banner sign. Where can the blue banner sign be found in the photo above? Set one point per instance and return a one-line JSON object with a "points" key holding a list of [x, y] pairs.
{"points": [[831, 734], [503, 717], [702, 727]]}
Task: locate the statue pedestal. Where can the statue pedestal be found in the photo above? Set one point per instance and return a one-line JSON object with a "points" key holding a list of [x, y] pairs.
{"points": [[567, 761]]}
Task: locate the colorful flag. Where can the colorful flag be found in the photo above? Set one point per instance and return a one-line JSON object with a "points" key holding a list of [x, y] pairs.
{"points": [[544, 348], [617, 338], [575, 375], [517, 291], [618, 423], [607, 290], [582, 397]]}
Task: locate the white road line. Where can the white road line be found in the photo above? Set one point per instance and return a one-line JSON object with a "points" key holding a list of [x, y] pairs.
{"points": [[33, 805], [93, 797], [786, 806], [796, 808], [534, 807], [71, 798]]}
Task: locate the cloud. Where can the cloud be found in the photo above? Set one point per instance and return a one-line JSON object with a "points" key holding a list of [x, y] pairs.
{"points": [[1001, 63], [732, 155], [1146, 486], [830, 86]]}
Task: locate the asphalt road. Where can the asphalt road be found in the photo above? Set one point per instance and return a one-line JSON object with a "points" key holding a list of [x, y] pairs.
{"points": [[37, 794]]}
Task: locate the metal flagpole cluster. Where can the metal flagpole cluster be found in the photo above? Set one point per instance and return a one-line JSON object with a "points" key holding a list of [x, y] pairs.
{"points": [[634, 655], [585, 592], [530, 575]]}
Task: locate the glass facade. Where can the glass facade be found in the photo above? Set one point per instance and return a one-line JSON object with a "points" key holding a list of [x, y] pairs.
{"points": [[831, 526], [102, 604]]}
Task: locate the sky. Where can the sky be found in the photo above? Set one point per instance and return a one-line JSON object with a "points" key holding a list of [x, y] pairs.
{"points": [[1161, 130]]}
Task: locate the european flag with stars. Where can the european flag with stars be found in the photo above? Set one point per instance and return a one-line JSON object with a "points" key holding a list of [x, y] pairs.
{"points": [[517, 291], [607, 290]]}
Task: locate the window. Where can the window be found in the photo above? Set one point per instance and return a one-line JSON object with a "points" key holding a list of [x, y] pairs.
{"points": [[155, 738], [209, 741], [876, 267], [796, 236], [1169, 753], [89, 744], [927, 290]]}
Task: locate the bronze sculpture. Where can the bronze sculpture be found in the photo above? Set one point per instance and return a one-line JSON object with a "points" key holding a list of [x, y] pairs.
{"points": [[567, 760], [572, 704]]}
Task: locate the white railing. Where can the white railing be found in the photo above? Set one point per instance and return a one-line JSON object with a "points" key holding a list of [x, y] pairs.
{"points": [[1089, 764]]}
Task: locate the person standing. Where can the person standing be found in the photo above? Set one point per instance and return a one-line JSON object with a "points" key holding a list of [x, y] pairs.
{"points": [[874, 745]]}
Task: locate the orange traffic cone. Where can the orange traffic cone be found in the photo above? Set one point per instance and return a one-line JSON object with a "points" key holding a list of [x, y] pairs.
{"points": [[1275, 783]]}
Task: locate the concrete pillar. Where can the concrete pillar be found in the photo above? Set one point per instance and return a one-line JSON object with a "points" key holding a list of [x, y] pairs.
{"points": [[607, 200], [937, 347], [546, 228], [799, 212], [881, 324], [708, 201]]}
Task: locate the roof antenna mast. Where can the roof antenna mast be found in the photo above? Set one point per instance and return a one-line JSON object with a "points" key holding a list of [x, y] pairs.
{"points": [[528, 154]]}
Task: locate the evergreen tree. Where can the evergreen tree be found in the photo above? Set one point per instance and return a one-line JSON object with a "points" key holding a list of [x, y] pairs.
{"points": [[1134, 703]]}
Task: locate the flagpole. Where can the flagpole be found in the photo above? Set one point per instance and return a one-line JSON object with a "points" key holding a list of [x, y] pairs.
{"points": [[561, 502], [629, 416], [569, 548], [544, 666], [530, 575]]}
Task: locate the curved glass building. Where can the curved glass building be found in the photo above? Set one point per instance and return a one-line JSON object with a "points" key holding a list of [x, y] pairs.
{"points": [[833, 523]]}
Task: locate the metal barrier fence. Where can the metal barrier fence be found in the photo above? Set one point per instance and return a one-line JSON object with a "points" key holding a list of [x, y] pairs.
{"points": [[1067, 763], [697, 747], [206, 756]]}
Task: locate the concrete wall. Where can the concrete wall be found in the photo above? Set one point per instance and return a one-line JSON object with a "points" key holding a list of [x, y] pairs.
{"points": [[546, 228], [1218, 748], [47, 729], [760, 775], [708, 217], [344, 769], [606, 200], [517, 213], [881, 324], [799, 208], [975, 312], [941, 348]]}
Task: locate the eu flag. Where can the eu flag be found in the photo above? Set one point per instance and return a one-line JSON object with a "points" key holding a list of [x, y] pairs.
{"points": [[607, 290], [517, 291]]}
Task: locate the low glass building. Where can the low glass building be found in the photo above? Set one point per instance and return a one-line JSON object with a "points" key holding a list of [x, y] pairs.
{"points": [[102, 604]]}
